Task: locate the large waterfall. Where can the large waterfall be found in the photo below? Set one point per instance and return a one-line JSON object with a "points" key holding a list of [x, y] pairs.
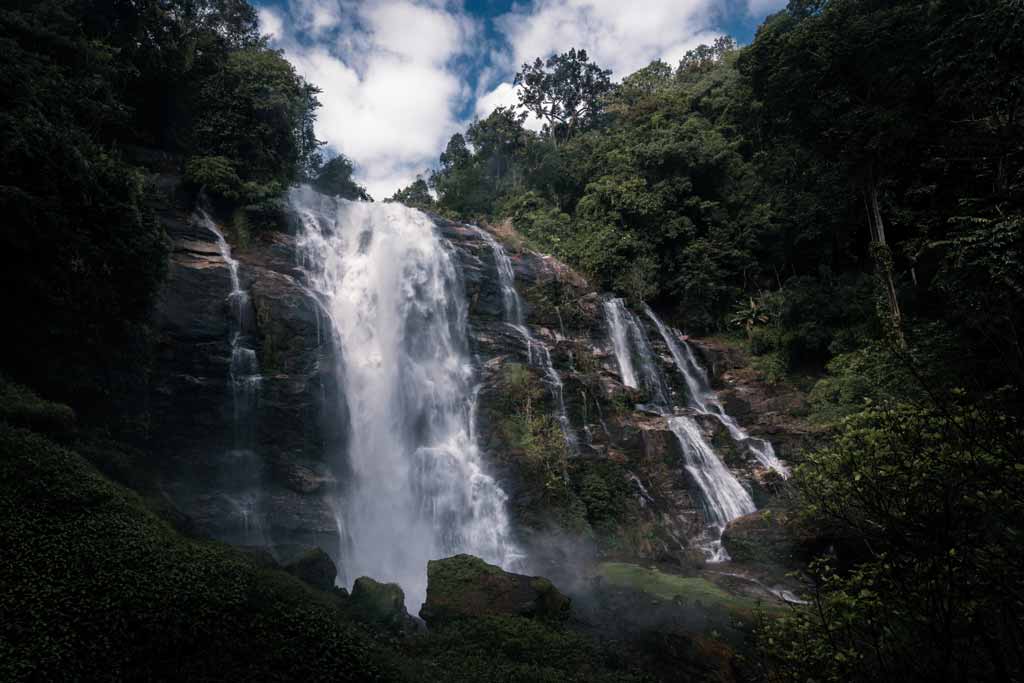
{"points": [[392, 291]]}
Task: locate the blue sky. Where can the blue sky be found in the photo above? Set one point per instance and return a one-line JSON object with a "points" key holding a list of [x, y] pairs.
{"points": [[399, 77]]}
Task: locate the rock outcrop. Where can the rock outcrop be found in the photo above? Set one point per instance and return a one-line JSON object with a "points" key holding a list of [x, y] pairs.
{"points": [[315, 567], [463, 587], [276, 485], [381, 604]]}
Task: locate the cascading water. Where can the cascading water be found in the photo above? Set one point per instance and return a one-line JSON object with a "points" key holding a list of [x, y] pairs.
{"points": [[627, 332], [723, 497], [534, 349], [614, 311], [392, 292], [244, 375], [703, 400]]}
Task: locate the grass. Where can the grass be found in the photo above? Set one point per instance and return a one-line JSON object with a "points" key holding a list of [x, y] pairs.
{"points": [[668, 586]]}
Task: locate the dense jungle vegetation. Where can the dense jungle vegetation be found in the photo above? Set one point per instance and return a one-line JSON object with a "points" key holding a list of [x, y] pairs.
{"points": [[847, 192], [844, 196]]}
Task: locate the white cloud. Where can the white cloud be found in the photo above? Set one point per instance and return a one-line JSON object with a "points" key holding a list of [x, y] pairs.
{"points": [[270, 22], [617, 35], [504, 95], [390, 90]]}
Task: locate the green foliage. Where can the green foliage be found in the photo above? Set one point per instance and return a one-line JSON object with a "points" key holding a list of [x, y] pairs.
{"points": [[565, 91], [925, 509], [95, 586], [335, 179], [513, 649], [416, 195], [258, 113], [216, 174]]}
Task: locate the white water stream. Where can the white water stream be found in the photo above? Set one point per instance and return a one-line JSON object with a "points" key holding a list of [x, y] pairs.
{"points": [[391, 289], [537, 352]]}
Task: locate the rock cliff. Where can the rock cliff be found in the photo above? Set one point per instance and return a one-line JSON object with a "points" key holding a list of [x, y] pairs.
{"points": [[619, 490]]}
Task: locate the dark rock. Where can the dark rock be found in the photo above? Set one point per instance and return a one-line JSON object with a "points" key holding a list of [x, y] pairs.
{"points": [[464, 586], [315, 567], [382, 604]]}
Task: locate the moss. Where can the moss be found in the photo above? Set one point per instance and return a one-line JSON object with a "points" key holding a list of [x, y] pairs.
{"points": [[689, 590], [379, 603], [22, 407]]}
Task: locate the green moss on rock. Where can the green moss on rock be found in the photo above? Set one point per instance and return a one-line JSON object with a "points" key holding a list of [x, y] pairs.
{"points": [[378, 603], [464, 586]]}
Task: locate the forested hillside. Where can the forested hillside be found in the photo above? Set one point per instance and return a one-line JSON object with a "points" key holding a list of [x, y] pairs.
{"points": [[846, 193], [842, 199]]}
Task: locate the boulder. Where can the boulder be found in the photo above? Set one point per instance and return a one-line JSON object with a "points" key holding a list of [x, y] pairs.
{"points": [[315, 567], [382, 604], [464, 586]]}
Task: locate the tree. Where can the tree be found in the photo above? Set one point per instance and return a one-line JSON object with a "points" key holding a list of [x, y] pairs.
{"points": [[335, 179], [703, 57], [416, 195], [924, 506], [566, 91]]}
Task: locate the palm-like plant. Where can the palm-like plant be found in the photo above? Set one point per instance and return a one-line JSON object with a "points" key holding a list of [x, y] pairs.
{"points": [[749, 316]]}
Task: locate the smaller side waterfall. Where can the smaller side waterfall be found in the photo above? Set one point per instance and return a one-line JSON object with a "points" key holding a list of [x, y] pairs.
{"points": [[722, 496], [703, 399], [614, 314], [244, 375], [627, 330], [537, 352]]}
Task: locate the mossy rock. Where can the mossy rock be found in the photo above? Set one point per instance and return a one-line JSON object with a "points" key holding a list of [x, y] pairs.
{"points": [[382, 604], [464, 586], [767, 539], [315, 567], [97, 587]]}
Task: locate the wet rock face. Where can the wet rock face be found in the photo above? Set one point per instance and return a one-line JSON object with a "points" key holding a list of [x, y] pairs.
{"points": [[274, 484], [464, 586]]}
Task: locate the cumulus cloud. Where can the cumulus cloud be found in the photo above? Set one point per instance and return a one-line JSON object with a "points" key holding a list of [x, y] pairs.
{"points": [[616, 35], [504, 95], [386, 69]]}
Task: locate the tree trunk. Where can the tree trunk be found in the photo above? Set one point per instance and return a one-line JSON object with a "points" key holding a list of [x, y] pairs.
{"points": [[882, 256]]}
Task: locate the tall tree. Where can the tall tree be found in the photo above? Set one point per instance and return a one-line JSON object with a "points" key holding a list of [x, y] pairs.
{"points": [[566, 91]]}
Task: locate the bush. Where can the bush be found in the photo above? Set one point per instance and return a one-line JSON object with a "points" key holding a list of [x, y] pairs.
{"points": [[216, 174], [97, 587]]}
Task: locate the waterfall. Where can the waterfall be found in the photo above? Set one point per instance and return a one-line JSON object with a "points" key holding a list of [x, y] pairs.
{"points": [[394, 297], [722, 496], [614, 311], [626, 333], [703, 399], [244, 376], [514, 318]]}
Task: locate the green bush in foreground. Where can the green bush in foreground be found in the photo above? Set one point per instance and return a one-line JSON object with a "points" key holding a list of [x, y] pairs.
{"points": [[96, 586]]}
